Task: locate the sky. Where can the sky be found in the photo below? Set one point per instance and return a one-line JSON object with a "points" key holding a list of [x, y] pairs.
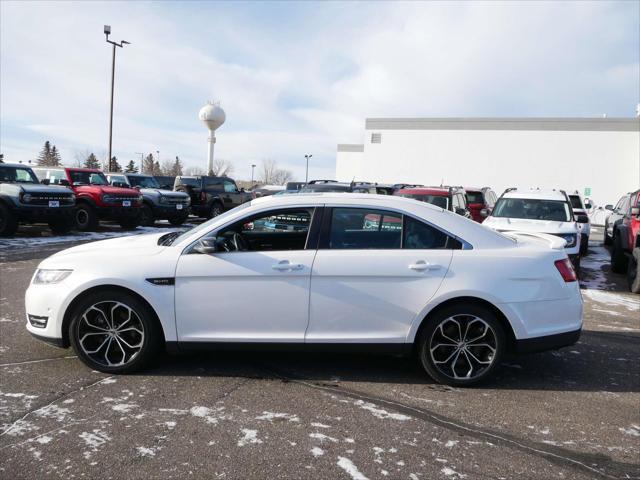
{"points": [[298, 78]]}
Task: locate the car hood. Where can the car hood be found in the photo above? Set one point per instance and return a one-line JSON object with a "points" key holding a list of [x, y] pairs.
{"points": [[108, 189], [40, 188], [115, 249], [161, 191], [523, 225]]}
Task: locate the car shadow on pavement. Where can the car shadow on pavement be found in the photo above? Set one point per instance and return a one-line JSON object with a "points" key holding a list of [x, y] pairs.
{"points": [[601, 361]]}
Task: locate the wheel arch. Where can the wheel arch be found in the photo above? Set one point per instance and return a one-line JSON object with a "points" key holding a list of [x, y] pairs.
{"points": [[66, 321], [500, 316]]}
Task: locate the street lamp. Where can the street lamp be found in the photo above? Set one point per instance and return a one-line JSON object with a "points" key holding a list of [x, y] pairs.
{"points": [[107, 32], [306, 177], [253, 165], [141, 160]]}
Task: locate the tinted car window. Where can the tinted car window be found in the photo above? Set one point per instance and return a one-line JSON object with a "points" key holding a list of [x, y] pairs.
{"points": [[88, 178], [419, 235], [192, 182], [576, 202], [362, 228], [475, 197], [17, 174], [438, 201], [229, 187], [533, 209], [143, 182]]}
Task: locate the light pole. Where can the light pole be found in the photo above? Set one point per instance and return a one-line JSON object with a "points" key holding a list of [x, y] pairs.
{"points": [[306, 177], [141, 160], [253, 165], [107, 32]]}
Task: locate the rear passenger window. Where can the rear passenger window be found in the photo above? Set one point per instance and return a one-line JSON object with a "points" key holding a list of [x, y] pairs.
{"points": [[361, 228], [419, 235]]}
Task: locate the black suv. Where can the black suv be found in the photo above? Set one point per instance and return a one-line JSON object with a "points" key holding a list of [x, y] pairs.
{"points": [[211, 195], [24, 199]]}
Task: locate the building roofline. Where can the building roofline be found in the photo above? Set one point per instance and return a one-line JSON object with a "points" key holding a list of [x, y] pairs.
{"points": [[465, 123], [350, 147]]}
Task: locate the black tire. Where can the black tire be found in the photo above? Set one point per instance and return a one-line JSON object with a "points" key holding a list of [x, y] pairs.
{"points": [[8, 221], [607, 238], [177, 221], [86, 218], [215, 210], [61, 226], [633, 275], [584, 244], [123, 358], [146, 216], [432, 334], [619, 260]]}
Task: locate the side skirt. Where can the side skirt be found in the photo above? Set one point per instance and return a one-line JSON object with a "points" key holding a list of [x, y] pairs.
{"points": [[404, 349]]}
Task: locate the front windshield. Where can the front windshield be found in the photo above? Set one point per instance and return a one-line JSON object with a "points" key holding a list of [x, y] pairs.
{"points": [[79, 177], [203, 226], [532, 209], [437, 200], [17, 175], [143, 182]]}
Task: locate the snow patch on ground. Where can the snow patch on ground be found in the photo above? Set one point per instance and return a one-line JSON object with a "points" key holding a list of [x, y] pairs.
{"points": [[379, 412], [146, 452], [348, 466], [317, 451], [19, 427], [319, 425], [124, 407], [613, 299], [632, 430], [95, 439], [210, 415], [450, 472], [322, 437], [248, 436], [53, 411], [271, 416]]}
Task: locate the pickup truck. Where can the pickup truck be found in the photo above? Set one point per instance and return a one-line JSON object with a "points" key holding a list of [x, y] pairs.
{"points": [[626, 241], [211, 195], [24, 200], [95, 199]]}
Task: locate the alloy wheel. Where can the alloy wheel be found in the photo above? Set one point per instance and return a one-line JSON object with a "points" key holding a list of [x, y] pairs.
{"points": [[463, 347], [110, 333]]}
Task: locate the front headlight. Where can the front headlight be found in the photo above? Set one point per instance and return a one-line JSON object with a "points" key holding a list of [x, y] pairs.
{"points": [[45, 276], [108, 199], [26, 198], [570, 239]]}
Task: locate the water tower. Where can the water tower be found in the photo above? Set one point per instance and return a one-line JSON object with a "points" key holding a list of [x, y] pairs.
{"points": [[213, 117]]}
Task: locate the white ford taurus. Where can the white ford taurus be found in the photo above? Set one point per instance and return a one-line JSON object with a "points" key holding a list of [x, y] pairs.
{"points": [[325, 271]]}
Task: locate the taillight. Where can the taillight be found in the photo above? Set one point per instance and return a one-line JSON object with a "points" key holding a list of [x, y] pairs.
{"points": [[565, 267]]}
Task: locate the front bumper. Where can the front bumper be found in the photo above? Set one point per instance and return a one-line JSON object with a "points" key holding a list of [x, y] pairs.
{"points": [[118, 213], [170, 211], [46, 301], [44, 214]]}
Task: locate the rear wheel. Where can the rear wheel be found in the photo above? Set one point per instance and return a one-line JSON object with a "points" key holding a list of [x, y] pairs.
{"points": [[607, 238], [633, 273], [146, 216], [114, 332], [216, 209], [86, 218], [584, 244], [619, 260], [8, 222], [461, 345]]}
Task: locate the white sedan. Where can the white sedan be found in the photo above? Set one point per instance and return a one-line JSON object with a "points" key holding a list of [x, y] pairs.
{"points": [[329, 271]]}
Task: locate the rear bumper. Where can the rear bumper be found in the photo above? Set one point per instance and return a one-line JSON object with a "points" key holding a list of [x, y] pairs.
{"points": [[548, 342]]}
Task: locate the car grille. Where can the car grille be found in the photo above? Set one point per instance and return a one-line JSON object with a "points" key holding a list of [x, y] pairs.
{"points": [[177, 200], [45, 199]]}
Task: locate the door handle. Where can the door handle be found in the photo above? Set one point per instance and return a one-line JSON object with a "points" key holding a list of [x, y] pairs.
{"points": [[286, 265], [421, 266]]}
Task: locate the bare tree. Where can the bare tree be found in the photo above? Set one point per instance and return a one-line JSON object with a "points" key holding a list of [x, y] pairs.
{"points": [[222, 167], [195, 171], [272, 175], [80, 157]]}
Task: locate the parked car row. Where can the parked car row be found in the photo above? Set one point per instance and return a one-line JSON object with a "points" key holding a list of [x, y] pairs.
{"points": [[622, 233]]}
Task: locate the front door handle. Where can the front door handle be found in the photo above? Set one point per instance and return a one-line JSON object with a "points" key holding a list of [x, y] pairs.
{"points": [[421, 266], [284, 265]]}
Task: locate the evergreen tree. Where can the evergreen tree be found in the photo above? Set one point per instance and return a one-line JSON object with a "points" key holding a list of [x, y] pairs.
{"points": [[1, 157], [157, 170], [56, 161], [91, 162], [131, 167], [176, 170], [147, 164], [114, 166], [44, 158]]}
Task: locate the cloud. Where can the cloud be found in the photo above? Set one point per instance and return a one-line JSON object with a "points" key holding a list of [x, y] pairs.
{"points": [[298, 78]]}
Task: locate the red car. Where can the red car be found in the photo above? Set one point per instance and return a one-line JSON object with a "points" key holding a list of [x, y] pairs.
{"points": [[481, 202], [626, 238], [447, 198], [95, 198]]}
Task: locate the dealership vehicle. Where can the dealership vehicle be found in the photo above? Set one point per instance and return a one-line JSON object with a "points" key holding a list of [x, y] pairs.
{"points": [[211, 195], [449, 198], [365, 272], [580, 208], [294, 186], [157, 203], [625, 235], [95, 198], [541, 211], [480, 201], [166, 182], [24, 200], [615, 217], [320, 186]]}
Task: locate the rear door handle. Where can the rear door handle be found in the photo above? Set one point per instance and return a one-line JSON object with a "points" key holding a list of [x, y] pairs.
{"points": [[421, 265], [286, 265]]}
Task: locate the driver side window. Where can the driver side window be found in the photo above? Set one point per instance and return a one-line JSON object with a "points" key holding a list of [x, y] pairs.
{"points": [[276, 230]]}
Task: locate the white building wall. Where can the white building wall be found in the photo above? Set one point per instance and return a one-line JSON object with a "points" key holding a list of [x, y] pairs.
{"points": [[349, 162], [604, 155]]}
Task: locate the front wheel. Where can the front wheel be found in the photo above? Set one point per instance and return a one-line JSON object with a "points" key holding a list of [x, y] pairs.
{"points": [[216, 209], [633, 273], [618, 258], [584, 244], [146, 216], [114, 332], [461, 345], [8, 222], [86, 218]]}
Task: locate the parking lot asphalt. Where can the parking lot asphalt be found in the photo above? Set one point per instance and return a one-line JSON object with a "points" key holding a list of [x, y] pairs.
{"points": [[572, 413]]}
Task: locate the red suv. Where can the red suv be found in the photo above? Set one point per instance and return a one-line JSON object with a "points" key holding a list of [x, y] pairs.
{"points": [[626, 238], [95, 198], [448, 198], [481, 202]]}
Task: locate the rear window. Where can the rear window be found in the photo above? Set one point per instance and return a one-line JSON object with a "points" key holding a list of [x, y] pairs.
{"points": [[532, 209], [192, 182], [438, 201], [475, 197]]}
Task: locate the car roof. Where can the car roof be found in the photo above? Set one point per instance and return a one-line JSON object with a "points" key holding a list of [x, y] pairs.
{"points": [[439, 192], [13, 165], [538, 194]]}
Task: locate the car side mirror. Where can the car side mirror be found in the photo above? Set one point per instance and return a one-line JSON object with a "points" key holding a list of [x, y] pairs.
{"points": [[45, 181], [582, 219], [608, 207], [207, 246], [635, 211], [461, 211], [484, 212]]}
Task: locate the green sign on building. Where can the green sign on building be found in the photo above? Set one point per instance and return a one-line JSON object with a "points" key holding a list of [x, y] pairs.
{"points": [[587, 191]]}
